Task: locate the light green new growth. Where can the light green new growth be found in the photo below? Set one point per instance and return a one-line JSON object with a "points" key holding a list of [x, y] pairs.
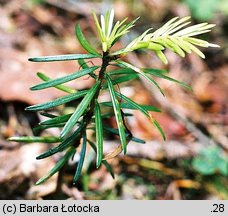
{"points": [[109, 33], [174, 35]]}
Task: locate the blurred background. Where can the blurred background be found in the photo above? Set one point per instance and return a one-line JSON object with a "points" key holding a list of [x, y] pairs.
{"points": [[191, 164]]}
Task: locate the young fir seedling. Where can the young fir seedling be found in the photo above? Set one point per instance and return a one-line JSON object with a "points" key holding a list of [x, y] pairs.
{"points": [[174, 35]]}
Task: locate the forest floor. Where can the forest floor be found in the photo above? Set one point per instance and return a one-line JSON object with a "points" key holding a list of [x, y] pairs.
{"points": [[191, 164]]}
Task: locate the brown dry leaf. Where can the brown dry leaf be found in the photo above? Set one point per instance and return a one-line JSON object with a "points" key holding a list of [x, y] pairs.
{"points": [[187, 183], [114, 153], [18, 43], [17, 75], [173, 190], [20, 167]]}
